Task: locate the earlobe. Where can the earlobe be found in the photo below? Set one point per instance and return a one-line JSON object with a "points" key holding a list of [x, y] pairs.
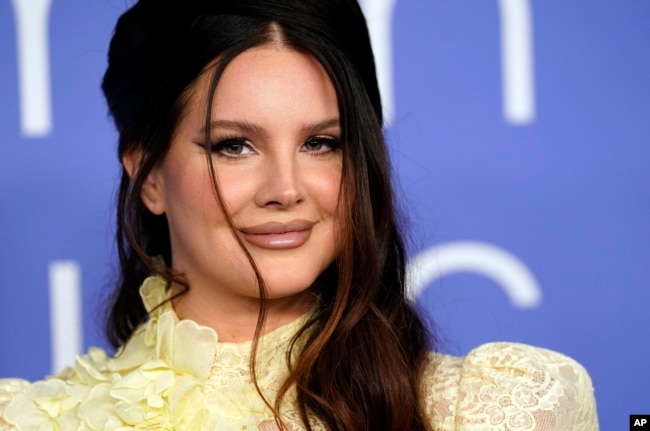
{"points": [[152, 192], [152, 187]]}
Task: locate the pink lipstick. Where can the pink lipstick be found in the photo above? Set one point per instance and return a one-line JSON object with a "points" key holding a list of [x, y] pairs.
{"points": [[278, 236]]}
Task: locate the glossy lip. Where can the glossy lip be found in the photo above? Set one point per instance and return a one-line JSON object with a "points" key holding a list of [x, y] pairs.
{"points": [[277, 235]]}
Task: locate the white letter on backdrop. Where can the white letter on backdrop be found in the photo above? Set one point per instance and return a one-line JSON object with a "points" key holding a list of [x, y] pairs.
{"points": [[517, 61], [506, 270], [33, 66], [65, 313], [379, 15]]}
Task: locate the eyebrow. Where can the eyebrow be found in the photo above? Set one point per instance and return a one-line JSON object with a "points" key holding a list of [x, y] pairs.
{"points": [[247, 127]]}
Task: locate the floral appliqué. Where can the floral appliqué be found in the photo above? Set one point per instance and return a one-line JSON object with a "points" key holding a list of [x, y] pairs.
{"points": [[154, 382]]}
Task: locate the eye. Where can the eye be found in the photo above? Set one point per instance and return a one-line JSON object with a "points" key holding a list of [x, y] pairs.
{"points": [[320, 144], [232, 147]]}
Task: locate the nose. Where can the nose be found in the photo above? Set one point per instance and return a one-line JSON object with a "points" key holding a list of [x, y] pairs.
{"points": [[281, 184]]}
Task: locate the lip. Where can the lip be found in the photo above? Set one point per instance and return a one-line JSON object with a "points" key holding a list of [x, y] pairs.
{"points": [[277, 235]]}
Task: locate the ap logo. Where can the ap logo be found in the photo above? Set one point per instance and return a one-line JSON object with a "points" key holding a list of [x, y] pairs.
{"points": [[639, 422]]}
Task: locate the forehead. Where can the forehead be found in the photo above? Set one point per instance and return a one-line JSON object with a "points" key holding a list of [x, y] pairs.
{"points": [[263, 80]]}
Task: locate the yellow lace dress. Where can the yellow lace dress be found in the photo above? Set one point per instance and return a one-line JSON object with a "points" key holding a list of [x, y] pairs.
{"points": [[175, 375]]}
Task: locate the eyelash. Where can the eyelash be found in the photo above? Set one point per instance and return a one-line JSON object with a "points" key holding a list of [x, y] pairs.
{"points": [[218, 148], [333, 143], [221, 145]]}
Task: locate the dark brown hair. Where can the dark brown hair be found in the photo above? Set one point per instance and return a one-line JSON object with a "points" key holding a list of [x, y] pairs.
{"points": [[360, 365]]}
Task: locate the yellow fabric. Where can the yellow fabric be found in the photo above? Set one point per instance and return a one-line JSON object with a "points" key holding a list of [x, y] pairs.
{"points": [[175, 375]]}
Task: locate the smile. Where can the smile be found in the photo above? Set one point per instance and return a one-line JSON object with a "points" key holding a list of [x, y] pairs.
{"points": [[278, 236]]}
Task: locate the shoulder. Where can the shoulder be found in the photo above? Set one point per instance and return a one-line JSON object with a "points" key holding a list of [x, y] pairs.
{"points": [[9, 388], [57, 401], [147, 377], [502, 386]]}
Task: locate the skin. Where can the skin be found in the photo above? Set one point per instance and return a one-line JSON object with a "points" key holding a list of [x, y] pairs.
{"points": [[274, 135]]}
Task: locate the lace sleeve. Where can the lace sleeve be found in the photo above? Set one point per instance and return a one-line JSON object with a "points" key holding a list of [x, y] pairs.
{"points": [[8, 388], [507, 387]]}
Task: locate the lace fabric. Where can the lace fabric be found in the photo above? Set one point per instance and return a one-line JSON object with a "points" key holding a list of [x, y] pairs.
{"points": [[509, 386], [175, 375]]}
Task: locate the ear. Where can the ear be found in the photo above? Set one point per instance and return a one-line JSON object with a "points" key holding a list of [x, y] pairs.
{"points": [[152, 188]]}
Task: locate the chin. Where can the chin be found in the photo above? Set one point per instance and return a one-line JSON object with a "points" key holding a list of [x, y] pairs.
{"points": [[278, 288]]}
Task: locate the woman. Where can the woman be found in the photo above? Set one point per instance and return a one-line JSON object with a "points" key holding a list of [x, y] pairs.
{"points": [[262, 268]]}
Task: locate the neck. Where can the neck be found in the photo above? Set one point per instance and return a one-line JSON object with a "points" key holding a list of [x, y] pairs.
{"points": [[235, 318]]}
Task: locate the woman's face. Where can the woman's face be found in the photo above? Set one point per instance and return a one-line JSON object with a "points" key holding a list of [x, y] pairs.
{"points": [[275, 147]]}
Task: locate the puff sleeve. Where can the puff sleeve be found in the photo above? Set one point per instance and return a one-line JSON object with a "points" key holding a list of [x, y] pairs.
{"points": [[508, 387]]}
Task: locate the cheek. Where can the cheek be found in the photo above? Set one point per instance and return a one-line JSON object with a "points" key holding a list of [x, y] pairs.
{"points": [[237, 189], [188, 192], [325, 189]]}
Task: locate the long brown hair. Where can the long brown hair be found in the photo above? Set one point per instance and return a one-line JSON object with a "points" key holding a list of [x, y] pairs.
{"points": [[360, 363]]}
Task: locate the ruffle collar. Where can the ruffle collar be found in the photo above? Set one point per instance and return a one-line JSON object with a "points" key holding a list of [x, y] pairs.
{"points": [[155, 296], [157, 380]]}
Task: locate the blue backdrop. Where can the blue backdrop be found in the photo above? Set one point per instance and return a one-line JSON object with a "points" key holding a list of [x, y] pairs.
{"points": [[520, 135]]}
